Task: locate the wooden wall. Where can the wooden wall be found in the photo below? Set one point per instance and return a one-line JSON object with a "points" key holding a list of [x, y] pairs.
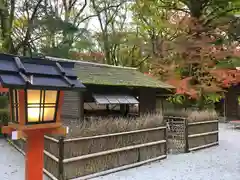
{"points": [[73, 100], [72, 105], [231, 103], [147, 100], [202, 134]]}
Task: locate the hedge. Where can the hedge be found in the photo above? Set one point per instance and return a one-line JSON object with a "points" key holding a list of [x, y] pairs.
{"points": [[4, 117], [3, 102]]}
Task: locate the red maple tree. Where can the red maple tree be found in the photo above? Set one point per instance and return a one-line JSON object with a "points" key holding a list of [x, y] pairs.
{"points": [[192, 57]]}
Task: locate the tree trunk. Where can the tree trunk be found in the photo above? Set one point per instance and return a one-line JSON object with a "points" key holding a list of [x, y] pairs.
{"points": [[6, 26]]}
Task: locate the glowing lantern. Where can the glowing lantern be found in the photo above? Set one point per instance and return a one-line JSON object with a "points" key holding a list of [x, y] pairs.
{"points": [[36, 96]]}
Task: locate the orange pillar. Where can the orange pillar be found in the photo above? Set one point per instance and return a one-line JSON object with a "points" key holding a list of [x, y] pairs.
{"points": [[34, 155]]}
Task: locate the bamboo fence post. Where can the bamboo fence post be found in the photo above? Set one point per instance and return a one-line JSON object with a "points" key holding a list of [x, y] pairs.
{"points": [[61, 158], [186, 135]]}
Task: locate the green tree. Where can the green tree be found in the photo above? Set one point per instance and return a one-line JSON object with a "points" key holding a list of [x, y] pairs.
{"points": [[111, 16], [187, 38], [17, 24]]}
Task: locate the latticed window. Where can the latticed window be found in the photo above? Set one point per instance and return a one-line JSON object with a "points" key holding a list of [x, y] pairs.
{"points": [[41, 105], [15, 105]]}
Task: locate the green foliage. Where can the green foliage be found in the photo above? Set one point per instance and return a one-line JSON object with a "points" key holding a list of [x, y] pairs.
{"points": [[230, 63], [207, 101], [4, 116], [177, 99], [234, 28], [56, 24], [212, 98], [3, 102]]}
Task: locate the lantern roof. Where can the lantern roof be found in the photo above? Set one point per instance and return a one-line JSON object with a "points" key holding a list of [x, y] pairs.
{"points": [[37, 73]]}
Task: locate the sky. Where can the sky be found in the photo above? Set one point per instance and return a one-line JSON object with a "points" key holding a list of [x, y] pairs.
{"points": [[94, 23]]}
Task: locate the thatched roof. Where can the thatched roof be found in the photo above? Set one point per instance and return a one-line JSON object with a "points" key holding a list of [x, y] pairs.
{"points": [[102, 74]]}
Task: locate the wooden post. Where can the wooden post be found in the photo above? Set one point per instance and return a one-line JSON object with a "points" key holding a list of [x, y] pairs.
{"points": [[166, 143], [186, 135], [34, 156], [217, 133], [81, 106], [61, 158]]}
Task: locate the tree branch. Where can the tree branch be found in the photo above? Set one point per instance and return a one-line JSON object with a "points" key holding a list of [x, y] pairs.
{"points": [[12, 11], [80, 12], [220, 15], [30, 27], [144, 59]]}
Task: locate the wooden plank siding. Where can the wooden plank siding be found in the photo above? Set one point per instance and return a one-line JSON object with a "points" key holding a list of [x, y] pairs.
{"points": [[71, 106], [147, 100], [231, 103]]}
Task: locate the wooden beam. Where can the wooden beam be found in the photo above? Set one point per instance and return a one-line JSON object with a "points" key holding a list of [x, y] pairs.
{"points": [[58, 131], [7, 130], [81, 106], [202, 134], [202, 122], [87, 156], [51, 139], [203, 146], [2, 89], [116, 134], [50, 155]]}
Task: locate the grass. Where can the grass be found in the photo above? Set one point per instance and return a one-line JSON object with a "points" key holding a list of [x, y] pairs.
{"points": [[193, 115], [98, 126], [176, 113], [207, 115]]}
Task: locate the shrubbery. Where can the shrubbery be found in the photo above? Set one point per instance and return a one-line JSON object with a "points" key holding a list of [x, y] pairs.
{"points": [[193, 115], [4, 116], [98, 125], [3, 102]]}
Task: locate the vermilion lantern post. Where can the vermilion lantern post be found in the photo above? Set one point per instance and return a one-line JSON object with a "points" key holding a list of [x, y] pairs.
{"points": [[36, 96]]}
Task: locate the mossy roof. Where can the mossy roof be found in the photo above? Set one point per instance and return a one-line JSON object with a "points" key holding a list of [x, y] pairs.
{"points": [[100, 74], [103, 74]]}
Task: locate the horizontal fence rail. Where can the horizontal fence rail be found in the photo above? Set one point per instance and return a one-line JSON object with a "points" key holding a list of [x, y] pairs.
{"points": [[114, 134], [202, 122], [112, 151], [202, 134]]}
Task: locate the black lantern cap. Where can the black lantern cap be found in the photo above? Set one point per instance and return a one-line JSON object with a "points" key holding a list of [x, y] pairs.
{"points": [[37, 73]]}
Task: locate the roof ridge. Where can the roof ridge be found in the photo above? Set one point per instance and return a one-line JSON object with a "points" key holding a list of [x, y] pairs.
{"points": [[87, 62]]}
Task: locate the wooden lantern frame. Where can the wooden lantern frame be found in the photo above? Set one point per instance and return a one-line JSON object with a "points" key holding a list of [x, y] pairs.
{"points": [[19, 106], [22, 127]]}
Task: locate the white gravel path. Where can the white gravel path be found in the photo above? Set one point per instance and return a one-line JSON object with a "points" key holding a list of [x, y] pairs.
{"points": [[11, 163], [216, 163]]}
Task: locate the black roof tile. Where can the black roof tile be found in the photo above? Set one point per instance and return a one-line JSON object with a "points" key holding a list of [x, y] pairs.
{"points": [[25, 72]]}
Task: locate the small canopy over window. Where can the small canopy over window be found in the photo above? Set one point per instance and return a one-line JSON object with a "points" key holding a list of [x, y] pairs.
{"points": [[114, 99]]}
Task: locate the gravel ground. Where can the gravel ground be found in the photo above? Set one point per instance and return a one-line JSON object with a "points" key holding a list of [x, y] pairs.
{"points": [[217, 163], [11, 163]]}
